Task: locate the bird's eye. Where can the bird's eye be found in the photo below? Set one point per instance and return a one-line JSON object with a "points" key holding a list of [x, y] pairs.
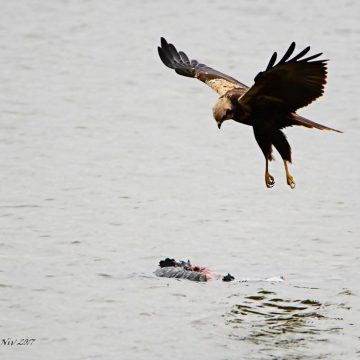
{"points": [[228, 112]]}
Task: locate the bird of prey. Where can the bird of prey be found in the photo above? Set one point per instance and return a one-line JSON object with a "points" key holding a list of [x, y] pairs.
{"points": [[269, 105]]}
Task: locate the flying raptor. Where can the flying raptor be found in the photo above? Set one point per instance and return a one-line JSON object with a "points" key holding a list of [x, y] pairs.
{"points": [[269, 105]]}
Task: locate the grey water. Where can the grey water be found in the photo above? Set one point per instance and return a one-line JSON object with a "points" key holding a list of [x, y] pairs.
{"points": [[110, 162]]}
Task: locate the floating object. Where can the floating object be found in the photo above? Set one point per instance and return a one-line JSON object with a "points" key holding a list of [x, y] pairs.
{"points": [[170, 268], [185, 270]]}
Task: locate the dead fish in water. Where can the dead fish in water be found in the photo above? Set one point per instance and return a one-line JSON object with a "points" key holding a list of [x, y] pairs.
{"points": [[185, 270], [170, 268]]}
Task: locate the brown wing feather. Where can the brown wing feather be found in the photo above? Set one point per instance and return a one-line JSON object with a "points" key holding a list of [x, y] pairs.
{"points": [[290, 84], [180, 62]]}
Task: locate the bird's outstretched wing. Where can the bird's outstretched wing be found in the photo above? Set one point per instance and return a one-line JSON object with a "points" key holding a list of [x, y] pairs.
{"points": [[290, 84], [179, 61]]}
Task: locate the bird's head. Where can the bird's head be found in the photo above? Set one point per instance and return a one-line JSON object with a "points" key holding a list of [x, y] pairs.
{"points": [[223, 110]]}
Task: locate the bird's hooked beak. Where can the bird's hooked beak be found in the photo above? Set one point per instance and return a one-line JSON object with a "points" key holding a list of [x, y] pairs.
{"points": [[219, 124]]}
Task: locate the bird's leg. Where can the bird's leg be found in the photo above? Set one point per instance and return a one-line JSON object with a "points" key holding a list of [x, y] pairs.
{"points": [[289, 178], [269, 179]]}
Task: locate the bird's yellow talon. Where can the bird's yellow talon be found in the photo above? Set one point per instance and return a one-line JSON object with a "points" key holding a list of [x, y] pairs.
{"points": [[289, 179], [291, 182], [269, 180]]}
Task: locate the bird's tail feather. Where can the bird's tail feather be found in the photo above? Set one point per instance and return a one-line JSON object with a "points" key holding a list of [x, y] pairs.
{"points": [[299, 120]]}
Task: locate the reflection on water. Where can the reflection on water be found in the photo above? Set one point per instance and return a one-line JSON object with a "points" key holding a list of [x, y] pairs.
{"points": [[268, 320]]}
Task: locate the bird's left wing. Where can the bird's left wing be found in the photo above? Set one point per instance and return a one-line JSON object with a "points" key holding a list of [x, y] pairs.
{"points": [[179, 61], [290, 84]]}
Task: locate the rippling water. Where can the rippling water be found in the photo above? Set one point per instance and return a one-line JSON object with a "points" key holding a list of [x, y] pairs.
{"points": [[111, 162]]}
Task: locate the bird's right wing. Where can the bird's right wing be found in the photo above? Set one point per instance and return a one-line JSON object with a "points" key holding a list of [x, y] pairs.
{"points": [[179, 61]]}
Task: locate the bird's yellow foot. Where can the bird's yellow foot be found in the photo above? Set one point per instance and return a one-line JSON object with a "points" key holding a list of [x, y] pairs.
{"points": [[269, 180], [290, 181]]}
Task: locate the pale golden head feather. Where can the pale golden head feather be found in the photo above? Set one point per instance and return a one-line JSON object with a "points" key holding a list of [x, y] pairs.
{"points": [[223, 110]]}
